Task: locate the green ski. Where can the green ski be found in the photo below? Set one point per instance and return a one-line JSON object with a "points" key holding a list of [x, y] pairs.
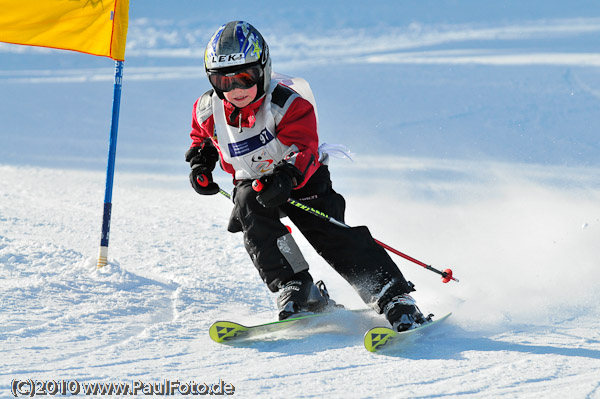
{"points": [[228, 331], [378, 337]]}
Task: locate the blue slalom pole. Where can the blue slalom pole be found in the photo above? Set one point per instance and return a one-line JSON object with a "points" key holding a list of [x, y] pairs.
{"points": [[110, 168]]}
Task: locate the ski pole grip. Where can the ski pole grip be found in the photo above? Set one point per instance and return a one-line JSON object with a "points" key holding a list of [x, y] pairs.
{"points": [[257, 185], [202, 180]]}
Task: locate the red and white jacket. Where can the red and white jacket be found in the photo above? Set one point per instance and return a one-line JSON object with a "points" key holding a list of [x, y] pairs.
{"points": [[280, 125]]}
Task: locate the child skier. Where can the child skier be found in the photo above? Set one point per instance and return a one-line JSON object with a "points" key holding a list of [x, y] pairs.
{"points": [[260, 129]]}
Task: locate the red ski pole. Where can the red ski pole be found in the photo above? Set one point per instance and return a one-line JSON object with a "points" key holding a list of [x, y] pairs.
{"points": [[446, 274]]}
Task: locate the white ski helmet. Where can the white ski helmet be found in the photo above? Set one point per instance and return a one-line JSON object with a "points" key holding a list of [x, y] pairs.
{"points": [[235, 48]]}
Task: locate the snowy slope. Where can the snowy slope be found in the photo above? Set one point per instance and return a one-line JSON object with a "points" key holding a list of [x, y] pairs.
{"points": [[474, 130]]}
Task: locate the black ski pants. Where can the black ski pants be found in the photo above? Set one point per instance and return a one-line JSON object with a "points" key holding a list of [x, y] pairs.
{"points": [[352, 252]]}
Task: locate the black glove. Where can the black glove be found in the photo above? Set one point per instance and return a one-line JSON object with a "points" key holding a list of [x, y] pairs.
{"points": [[277, 187], [202, 161], [202, 181]]}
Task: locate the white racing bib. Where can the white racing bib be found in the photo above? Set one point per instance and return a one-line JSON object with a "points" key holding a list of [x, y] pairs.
{"points": [[255, 150]]}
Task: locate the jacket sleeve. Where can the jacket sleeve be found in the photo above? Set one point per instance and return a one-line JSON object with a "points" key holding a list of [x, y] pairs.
{"points": [[298, 129], [203, 126]]}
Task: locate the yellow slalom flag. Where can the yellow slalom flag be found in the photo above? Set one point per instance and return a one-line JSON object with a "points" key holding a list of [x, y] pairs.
{"points": [[97, 27]]}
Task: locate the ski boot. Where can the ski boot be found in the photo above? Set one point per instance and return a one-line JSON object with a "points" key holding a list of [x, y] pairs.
{"points": [[403, 313], [300, 296]]}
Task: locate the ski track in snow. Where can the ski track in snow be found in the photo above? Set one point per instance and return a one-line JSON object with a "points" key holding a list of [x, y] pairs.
{"points": [[146, 315]]}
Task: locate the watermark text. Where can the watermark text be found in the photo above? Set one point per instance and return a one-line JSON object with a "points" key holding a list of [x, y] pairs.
{"points": [[32, 387]]}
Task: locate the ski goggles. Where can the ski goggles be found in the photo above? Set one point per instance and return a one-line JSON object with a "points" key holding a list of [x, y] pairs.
{"points": [[243, 79]]}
